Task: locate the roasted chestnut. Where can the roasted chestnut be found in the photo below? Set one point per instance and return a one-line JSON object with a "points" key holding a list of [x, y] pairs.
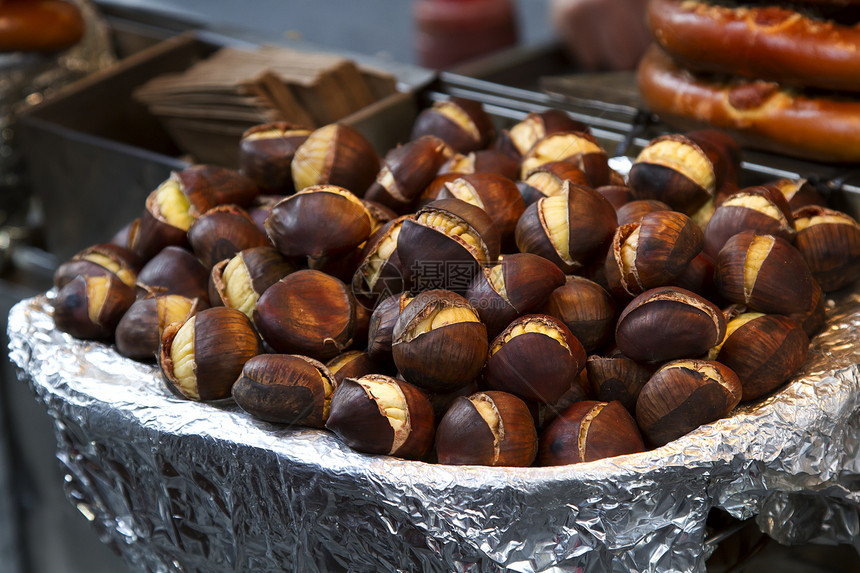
{"points": [[652, 252], [439, 343], [167, 216], [675, 170], [238, 282], [461, 123], [307, 312], [764, 272], [577, 147], [798, 192], [585, 308], [498, 196], [567, 229], [618, 195], [446, 245], [91, 307], [201, 357], [665, 323], [335, 154], [517, 140], [406, 172], [588, 431], [633, 211], [100, 260], [763, 350], [684, 394], [379, 274], [519, 284], [139, 331], [377, 414], [758, 208], [512, 365], [223, 231], [830, 244], [266, 152], [548, 180], [285, 389], [380, 332], [217, 185], [616, 377], [487, 429], [483, 161], [319, 221], [352, 364], [175, 271]]}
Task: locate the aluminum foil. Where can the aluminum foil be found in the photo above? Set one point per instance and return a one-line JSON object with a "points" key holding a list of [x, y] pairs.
{"points": [[181, 486]]}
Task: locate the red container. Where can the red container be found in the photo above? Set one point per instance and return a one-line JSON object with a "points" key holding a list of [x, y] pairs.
{"points": [[449, 32]]}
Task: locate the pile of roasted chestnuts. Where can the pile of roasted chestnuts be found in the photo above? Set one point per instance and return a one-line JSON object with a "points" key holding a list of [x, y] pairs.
{"points": [[472, 297]]}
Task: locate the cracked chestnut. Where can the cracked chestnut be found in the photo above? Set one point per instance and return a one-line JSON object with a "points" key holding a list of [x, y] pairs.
{"points": [[536, 357], [240, 281], [487, 429], [588, 431], [201, 357], [91, 307], [335, 154], [285, 389], [377, 414], [439, 343]]}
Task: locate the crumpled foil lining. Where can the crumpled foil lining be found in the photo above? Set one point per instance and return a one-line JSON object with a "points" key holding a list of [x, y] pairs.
{"points": [[181, 486]]}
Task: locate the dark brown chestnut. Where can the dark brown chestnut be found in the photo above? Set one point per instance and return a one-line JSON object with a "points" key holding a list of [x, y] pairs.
{"points": [[829, 241], [307, 312], [319, 221], [665, 323], [498, 196], [764, 272], [335, 154], [406, 172], [517, 140], [633, 211], [127, 236], [586, 308], [90, 307], [379, 274], [616, 377], [223, 231], [512, 365], [588, 431], [483, 161], [238, 282], [759, 208], [519, 284], [352, 364], [380, 331], [487, 429], [567, 229], [168, 214], [201, 357], [100, 260], [461, 123], [652, 252], [285, 389], [618, 195], [266, 152], [683, 395], [377, 414], [217, 185], [577, 147], [446, 245], [812, 319], [138, 333], [175, 271], [675, 170], [439, 343], [723, 151], [548, 180], [763, 350], [798, 192]]}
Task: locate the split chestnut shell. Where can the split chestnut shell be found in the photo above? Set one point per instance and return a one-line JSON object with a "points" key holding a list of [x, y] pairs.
{"points": [[377, 414]]}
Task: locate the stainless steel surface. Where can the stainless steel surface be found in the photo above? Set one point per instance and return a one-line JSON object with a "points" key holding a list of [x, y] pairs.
{"points": [[179, 485]]}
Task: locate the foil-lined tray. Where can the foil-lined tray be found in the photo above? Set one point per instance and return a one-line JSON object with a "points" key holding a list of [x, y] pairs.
{"points": [[175, 485]]}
